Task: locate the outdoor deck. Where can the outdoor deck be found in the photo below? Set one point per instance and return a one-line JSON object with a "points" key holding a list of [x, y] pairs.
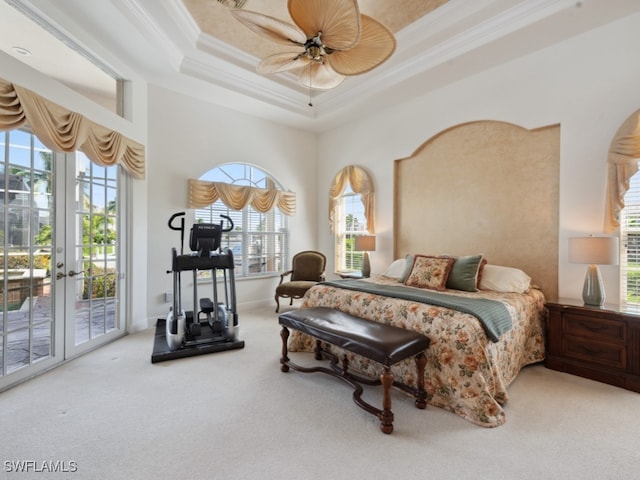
{"points": [[28, 345]]}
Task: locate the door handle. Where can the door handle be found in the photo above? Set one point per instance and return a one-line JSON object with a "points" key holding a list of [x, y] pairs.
{"points": [[71, 273]]}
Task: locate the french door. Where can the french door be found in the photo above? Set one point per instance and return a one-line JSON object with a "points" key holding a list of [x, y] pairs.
{"points": [[62, 286]]}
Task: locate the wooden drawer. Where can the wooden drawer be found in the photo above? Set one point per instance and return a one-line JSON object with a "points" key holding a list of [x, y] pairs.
{"points": [[595, 352], [601, 329], [600, 343]]}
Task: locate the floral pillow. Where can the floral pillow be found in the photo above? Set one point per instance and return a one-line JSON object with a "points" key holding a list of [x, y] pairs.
{"points": [[429, 272]]}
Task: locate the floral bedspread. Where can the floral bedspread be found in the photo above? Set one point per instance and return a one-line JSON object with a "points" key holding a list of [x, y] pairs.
{"points": [[466, 373]]}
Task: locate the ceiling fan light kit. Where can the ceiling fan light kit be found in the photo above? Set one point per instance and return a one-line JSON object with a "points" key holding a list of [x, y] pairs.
{"points": [[332, 39], [233, 3]]}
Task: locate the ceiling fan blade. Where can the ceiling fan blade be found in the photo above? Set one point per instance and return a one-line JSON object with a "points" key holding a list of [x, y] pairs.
{"points": [[270, 27], [338, 20], [376, 45], [319, 76], [281, 62]]}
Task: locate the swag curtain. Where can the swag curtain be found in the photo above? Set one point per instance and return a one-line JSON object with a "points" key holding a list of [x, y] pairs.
{"points": [[622, 164], [62, 130], [236, 197], [360, 183]]}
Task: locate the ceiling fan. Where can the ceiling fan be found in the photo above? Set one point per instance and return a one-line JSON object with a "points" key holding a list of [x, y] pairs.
{"points": [[332, 37]]}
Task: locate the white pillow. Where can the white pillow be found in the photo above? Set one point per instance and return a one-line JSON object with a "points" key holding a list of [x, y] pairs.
{"points": [[396, 269], [504, 279]]}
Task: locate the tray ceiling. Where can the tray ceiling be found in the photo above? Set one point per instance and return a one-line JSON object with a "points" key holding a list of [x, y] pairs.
{"points": [[197, 48]]}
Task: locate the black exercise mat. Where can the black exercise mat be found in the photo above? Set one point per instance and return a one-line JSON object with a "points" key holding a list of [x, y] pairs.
{"points": [[162, 353]]}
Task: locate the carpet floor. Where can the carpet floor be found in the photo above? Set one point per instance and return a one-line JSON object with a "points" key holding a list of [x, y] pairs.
{"points": [[113, 414]]}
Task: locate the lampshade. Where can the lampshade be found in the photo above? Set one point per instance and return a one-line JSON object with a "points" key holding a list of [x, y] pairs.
{"points": [[593, 250], [365, 243]]}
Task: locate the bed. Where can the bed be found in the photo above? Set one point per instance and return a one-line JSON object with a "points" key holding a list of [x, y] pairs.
{"points": [[467, 372], [485, 190]]}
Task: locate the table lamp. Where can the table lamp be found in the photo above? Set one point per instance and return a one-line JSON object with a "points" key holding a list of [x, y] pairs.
{"points": [[366, 244], [593, 251]]}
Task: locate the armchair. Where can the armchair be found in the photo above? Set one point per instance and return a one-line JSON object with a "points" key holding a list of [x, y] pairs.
{"points": [[307, 269]]}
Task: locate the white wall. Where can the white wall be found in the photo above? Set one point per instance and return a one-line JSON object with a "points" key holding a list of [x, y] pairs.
{"points": [[589, 85], [189, 137]]}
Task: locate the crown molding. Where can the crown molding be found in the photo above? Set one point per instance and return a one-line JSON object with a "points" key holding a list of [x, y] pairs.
{"points": [[248, 84]]}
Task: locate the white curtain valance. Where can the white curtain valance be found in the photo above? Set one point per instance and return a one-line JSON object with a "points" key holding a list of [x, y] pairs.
{"points": [[62, 130], [622, 164], [361, 183], [203, 193]]}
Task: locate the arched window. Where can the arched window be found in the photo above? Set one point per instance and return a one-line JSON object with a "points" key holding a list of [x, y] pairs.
{"points": [[259, 241], [623, 204], [350, 215]]}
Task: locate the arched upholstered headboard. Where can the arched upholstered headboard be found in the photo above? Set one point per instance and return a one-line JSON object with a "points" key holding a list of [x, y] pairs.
{"points": [[483, 187]]}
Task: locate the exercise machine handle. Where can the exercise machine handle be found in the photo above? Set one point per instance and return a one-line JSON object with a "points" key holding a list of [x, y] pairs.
{"points": [[230, 227], [180, 228], [173, 217]]}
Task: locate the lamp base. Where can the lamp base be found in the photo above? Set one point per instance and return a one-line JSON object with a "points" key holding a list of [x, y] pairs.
{"points": [[593, 289], [366, 266]]}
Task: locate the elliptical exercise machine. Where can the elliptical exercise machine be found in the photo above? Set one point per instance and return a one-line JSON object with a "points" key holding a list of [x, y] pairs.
{"points": [[187, 332]]}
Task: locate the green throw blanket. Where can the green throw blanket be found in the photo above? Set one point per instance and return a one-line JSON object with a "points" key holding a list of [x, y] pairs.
{"points": [[493, 315]]}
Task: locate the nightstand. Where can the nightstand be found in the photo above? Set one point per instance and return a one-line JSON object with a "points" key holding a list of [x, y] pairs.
{"points": [[600, 343]]}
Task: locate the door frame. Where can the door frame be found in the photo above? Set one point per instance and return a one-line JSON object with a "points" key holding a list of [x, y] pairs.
{"points": [[62, 291]]}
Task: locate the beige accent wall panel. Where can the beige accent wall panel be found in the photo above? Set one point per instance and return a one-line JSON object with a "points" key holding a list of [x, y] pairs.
{"points": [[483, 187]]}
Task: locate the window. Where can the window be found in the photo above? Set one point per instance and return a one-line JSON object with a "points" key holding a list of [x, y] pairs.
{"points": [[630, 244], [259, 241], [86, 74], [349, 222]]}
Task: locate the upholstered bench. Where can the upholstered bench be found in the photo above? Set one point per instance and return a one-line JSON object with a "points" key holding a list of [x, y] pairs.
{"points": [[382, 343]]}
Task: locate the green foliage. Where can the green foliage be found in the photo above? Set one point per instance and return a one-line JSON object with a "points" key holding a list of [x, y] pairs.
{"points": [[102, 282], [20, 262], [633, 286], [97, 230], [44, 235]]}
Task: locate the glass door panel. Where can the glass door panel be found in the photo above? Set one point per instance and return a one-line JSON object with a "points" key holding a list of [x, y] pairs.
{"points": [[93, 266], [26, 210]]}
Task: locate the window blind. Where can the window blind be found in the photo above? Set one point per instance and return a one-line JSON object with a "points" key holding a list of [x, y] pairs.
{"points": [[630, 244]]}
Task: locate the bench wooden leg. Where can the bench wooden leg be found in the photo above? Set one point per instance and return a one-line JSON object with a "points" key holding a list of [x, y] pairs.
{"points": [[386, 416], [284, 334], [318, 350], [421, 394]]}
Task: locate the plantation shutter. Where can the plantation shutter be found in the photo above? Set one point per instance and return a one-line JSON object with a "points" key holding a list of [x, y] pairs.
{"points": [[630, 244]]}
